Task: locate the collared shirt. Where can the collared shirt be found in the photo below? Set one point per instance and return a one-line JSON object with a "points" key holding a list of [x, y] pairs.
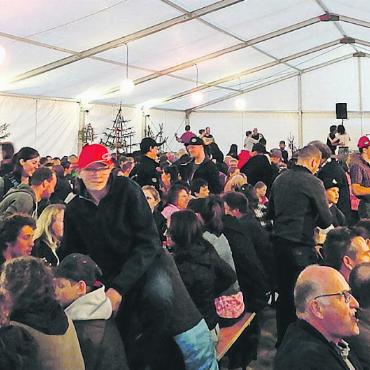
{"points": [[343, 349], [360, 174]]}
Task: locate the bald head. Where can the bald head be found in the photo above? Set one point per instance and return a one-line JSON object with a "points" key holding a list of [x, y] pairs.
{"points": [[313, 281], [324, 300]]}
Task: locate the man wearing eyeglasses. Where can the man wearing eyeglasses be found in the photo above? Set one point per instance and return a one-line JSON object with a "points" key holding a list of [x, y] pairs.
{"points": [[110, 220], [326, 312]]}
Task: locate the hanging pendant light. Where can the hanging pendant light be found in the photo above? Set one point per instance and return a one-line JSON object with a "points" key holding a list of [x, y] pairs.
{"points": [[127, 85], [240, 104], [197, 97]]}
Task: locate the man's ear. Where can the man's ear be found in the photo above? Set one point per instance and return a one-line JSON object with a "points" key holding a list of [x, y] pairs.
{"points": [[316, 309], [348, 262], [81, 288]]}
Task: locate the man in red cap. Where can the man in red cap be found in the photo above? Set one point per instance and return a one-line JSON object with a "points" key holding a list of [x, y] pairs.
{"points": [[360, 177], [110, 220]]}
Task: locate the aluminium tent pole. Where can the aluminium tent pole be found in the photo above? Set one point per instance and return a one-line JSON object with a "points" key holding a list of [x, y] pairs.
{"points": [[359, 67], [81, 126], [300, 116]]}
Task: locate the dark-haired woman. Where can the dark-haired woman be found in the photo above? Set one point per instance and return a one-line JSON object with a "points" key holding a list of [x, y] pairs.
{"points": [[26, 161], [230, 305], [205, 275], [233, 151], [177, 199], [16, 237], [35, 309]]}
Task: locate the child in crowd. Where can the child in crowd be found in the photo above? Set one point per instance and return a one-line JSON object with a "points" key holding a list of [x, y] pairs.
{"points": [[35, 309], [80, 292], [261, 189]]}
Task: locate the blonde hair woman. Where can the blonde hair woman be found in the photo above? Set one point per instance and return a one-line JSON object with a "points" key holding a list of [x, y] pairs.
{"points": [[235, 182], [49, 233]]}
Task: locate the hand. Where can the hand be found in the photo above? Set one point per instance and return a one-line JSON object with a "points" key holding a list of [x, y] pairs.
{"points": [[114, 297]]}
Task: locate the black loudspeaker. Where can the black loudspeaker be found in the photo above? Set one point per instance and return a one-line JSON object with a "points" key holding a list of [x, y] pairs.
{"points": [[341, 110]]}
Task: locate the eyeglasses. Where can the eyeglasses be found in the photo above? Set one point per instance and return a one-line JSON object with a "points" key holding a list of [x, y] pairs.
{"points": [[94, 170], [346, 294]]}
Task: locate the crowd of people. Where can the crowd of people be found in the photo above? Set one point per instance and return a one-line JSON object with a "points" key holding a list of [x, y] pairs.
{"points": [[136, 262]]}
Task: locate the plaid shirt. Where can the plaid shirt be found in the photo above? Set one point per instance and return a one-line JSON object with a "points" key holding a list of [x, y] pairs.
{"points": [[360, 174]]}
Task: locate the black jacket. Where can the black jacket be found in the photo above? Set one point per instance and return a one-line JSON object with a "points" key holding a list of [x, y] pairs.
{"points": [[258, 168], [205, 276], [119, 234], [42, 250], [260, 239], [251, 275], [207, 170], [304, 348], [145, 172], [297, 205]]}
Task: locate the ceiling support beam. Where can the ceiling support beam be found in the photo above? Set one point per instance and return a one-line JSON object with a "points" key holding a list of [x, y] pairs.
{"points": [[218, 53], [334, 18], [219, 29], [268, 83], [236, 76], [126, 39], [357, 22]]}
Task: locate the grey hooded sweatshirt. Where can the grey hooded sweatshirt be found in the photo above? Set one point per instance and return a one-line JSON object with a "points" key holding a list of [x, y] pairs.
{"points": [[21, 199]]}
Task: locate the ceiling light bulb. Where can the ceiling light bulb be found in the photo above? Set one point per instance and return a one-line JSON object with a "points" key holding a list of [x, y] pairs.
{"points": [[2, 54], [197, 97], [240, 103], [127, 86]]}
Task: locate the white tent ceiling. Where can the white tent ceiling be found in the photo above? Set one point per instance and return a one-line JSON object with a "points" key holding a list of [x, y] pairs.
{"points": [[237, 46]]}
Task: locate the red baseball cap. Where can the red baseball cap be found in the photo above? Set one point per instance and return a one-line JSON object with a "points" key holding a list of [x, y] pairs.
{"points": [[92, 153], [363, 142]]}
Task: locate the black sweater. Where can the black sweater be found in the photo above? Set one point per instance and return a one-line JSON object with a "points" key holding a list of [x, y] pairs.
{"points": [[297, 205], [119, 234], [205, 276]]}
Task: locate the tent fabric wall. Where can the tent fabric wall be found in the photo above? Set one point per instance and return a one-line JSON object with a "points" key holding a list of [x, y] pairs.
{"points": [[49, 126], [52, 126]]}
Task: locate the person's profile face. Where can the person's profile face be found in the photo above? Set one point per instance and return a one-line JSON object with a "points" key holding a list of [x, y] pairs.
{"points": [[24, 243], [65, 291], [57, 225], [332, 195], [203, 192], [362, 250], [339, 316], [150, 199]]}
